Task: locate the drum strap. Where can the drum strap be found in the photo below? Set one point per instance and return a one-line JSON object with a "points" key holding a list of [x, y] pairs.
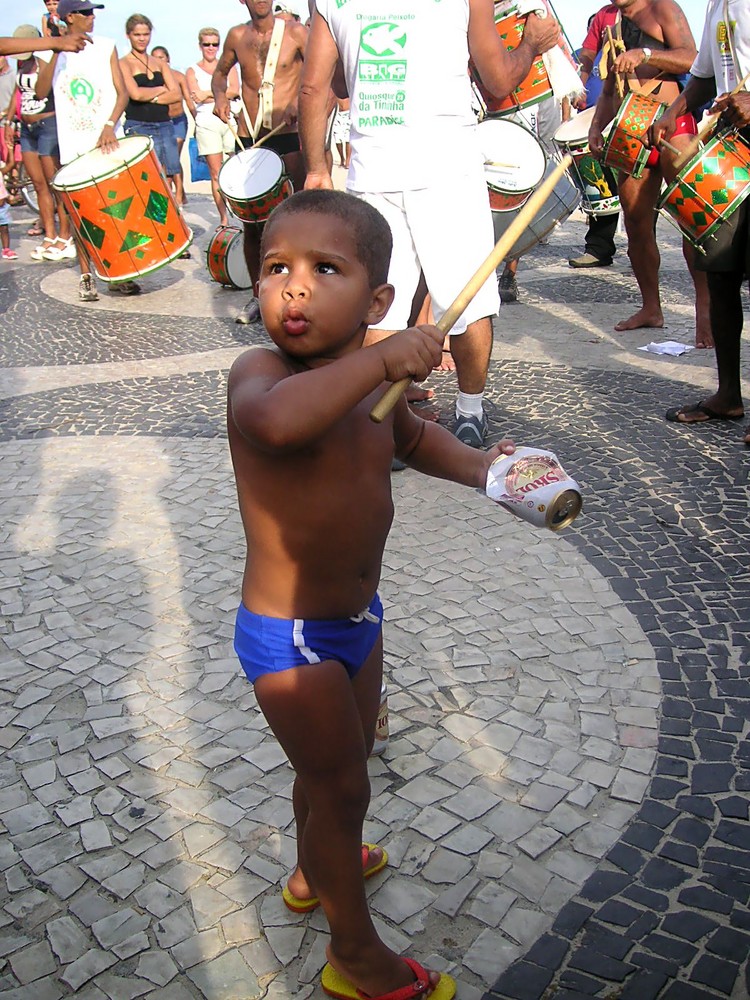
{"points": [[264, 117]]}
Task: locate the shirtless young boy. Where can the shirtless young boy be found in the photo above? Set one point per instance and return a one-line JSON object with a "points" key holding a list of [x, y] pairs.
{"points": [[314, 486], [265, 106]]}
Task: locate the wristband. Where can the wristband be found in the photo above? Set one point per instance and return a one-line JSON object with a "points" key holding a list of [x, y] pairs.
{"points": [[646, 54], [110, 123]]}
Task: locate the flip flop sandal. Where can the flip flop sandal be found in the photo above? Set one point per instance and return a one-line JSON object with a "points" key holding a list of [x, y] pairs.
{"points": [[676, 414], [298, 905], [336, 985]]}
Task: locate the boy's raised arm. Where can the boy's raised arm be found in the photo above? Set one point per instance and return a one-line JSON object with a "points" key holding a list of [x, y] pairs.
{"points": [[279, 411]]}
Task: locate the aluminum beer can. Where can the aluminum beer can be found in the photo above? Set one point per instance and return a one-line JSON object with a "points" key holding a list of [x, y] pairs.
{"points": [[381, 726], [532, 484]]}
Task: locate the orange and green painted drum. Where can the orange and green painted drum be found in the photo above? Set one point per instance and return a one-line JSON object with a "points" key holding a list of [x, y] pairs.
{"points": [[708, 189], [225, 258], [123, 210], [253, 182], [623, 148], [536, 86]]}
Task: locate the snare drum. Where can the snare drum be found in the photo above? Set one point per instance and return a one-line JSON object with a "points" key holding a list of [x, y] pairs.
{"points": [[253, 182], [123, 210], [709, 189], [561, 203], [513, 162], [595, 180], [536, 86], [623, 149], [225, 258]]}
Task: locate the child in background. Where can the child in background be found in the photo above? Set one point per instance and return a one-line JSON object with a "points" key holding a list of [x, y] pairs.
{"points": [[50, 20], [6, 253], [313, 476]]}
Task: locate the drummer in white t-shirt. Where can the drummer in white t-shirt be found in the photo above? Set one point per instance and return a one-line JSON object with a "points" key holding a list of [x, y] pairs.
{"points": [[415, 154], [214, 137], [90, 98], [721, 66]]}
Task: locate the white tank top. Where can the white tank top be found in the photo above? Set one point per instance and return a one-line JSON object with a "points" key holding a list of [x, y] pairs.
{"points": [[203, 79], [406, 67]]}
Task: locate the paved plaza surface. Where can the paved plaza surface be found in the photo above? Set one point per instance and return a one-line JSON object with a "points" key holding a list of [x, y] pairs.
{"points": [[564, 798]]}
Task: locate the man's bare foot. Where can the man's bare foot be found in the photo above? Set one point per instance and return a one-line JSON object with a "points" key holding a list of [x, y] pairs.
{"points": [[704, 339], [746, 438], [447, 364], [378, 971], [640, 319], [299, 895], [706, 409], [416, 395]]}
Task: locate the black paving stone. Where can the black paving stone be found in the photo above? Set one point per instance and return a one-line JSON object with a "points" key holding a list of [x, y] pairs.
{"points": [[627, 858], [675, 951], [716, 973], [643, 835], [735, 834], [659, 874], [705, 899], [571, 918], [702, 807], [692, 831], [657, 813], [618, 913], [646, 923], [664, 788], [603, 885], [710, 778], [594, 962], [684, 991], [583, 985], [683, 854], [688, 925], [655, 963], [548, 951], [523, 981], [730, 944], [643, 985], [647, 897]]}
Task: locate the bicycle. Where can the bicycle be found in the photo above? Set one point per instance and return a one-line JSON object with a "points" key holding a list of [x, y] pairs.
{"points": [[18, 182]]}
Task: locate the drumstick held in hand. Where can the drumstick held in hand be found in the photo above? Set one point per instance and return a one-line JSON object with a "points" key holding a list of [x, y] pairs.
{"points": [[257, 142], [503, 246]]}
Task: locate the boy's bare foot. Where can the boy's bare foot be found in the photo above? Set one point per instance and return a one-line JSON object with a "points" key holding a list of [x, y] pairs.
{"points": [[640, 319], [351, 981], [298, 895]]}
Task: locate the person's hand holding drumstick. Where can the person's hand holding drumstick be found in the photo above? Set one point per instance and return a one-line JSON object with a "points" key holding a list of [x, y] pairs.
{"points": [[733, 108]]}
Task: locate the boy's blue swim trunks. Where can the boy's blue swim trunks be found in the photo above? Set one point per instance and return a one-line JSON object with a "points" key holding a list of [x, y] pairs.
{"points": [[268, 645]]}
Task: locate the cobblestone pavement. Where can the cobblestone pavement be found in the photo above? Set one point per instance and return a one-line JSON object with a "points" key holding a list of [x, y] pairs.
{"points": [[564, 796]]}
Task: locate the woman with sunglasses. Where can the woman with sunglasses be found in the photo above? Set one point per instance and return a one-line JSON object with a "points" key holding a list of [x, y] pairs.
{"points": [[215, 138]]}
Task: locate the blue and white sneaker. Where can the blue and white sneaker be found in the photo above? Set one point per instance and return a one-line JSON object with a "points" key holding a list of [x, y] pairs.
{"points": [[471, 430]]}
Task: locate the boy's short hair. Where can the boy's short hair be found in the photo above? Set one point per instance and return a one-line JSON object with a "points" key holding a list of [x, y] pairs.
{"points": [[372, 234]]}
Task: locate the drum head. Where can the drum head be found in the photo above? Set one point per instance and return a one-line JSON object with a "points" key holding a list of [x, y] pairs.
{"points": [[97, 165], [250, 173], [235, 264], [513, 158], [576, 130]]}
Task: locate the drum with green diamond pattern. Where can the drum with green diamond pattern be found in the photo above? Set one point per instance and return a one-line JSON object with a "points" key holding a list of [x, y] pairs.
{"points": [[123, 210], [709, 188]]}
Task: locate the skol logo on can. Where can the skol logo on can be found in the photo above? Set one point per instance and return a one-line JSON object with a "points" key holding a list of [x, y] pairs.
{"points": [[532, 484]]}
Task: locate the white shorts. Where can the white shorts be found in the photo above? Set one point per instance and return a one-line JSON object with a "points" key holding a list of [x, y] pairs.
{"points": [[446, 232], [213, 136]]}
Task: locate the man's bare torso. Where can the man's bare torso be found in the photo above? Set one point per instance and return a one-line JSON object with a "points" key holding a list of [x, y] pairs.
{"points": [[251, 48], [658, 19]]}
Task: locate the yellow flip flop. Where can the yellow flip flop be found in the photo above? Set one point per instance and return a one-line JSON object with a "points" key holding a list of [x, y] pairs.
{"points": [[298, 905], [336, 985]]}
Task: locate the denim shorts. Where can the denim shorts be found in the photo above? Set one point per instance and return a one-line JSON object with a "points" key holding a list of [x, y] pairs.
{"points": [[40, 137], [165, 144], [180, 126]]}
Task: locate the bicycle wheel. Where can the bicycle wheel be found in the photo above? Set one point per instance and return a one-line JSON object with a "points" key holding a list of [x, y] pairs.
{"points": [[27, 189]]}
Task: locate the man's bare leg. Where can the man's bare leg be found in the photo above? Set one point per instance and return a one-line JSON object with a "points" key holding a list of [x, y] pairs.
{"points": [[638, 202], [471, 351], [703, 335], [214, 162]]}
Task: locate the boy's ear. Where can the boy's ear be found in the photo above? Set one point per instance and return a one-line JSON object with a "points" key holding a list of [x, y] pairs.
{"points": [[381, 302]]}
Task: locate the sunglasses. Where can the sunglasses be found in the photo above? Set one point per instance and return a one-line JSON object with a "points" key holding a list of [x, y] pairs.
{"points": [[209, 45], [83, 13]]}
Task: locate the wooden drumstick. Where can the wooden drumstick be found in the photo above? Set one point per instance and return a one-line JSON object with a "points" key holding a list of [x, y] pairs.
{"points": [[618, 77], [257, 142], [503, 246]]}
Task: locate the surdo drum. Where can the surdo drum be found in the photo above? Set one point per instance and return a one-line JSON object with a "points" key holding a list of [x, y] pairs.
{"points": [[513, 162], [225, 258], [123, 210], [253, 182], [596, 181]]}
